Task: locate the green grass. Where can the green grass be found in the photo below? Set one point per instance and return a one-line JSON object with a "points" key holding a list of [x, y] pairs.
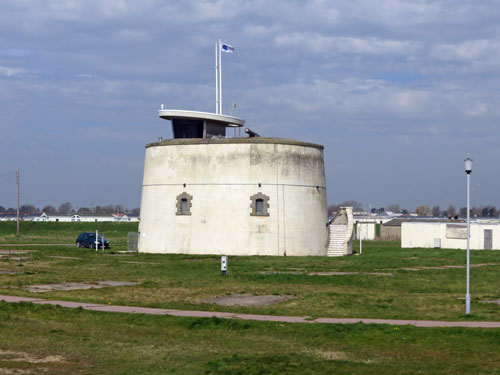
{"points": [[103, 343], [182, 281], [32, 232], [89, 342]]}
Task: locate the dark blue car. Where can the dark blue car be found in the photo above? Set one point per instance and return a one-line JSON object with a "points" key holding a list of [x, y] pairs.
{"points": [[87, 239]]}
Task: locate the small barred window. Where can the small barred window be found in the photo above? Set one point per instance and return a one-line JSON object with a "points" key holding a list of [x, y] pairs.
{"points": [[259, 205], [184, 204]]}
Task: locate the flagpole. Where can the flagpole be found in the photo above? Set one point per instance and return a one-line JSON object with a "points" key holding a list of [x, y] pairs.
{"points": [[216, 79], [220, 78]]}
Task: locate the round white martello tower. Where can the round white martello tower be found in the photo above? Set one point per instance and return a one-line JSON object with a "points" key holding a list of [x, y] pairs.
{"points": [[206, 193]]}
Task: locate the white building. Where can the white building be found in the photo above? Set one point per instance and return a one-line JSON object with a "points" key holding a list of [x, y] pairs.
{"points": [[13, 217], [483, 236], [372, 218], [94, 218], [204, 193]]}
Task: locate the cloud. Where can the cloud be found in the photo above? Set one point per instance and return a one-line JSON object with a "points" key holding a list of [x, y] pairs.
{"points": [[6, 71], [215, 10], [467, 51], [132, 34], [318, 43]]}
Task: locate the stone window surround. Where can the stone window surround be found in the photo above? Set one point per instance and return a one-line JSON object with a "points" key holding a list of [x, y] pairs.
{"points": [[178, 205], [265, 204]]}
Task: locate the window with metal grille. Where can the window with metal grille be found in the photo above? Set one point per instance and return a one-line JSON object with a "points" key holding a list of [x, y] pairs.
{"points": [[259, 205], [184, 204]]}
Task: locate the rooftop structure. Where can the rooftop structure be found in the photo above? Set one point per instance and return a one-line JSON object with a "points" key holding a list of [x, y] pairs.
{"points": [[193, 124]]}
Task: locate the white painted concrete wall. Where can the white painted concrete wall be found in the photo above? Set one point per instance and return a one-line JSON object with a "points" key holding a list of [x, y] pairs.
{"points": [[221, 175], [423, 235]]}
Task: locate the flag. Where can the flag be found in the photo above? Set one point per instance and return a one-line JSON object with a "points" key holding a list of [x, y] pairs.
{"points": [[226, 48]]}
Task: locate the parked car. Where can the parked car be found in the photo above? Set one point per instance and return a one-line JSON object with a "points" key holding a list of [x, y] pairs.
{"points": [[87, 239]]}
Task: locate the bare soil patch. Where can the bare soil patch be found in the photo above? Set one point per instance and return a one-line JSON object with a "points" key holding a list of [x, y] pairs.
{"points": [[332, 273], [325, 273], [248, 300], [23, 357], [119, 255], [132, 262], [494, 301], [9, 355], [42, 288], [444, 267], [3, 272], [16, 251]]}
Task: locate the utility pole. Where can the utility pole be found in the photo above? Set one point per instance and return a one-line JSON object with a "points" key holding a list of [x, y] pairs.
{"points": [[17, 180]]}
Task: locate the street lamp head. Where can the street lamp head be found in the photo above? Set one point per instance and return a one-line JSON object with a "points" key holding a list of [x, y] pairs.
{"points": [[468, 165]]}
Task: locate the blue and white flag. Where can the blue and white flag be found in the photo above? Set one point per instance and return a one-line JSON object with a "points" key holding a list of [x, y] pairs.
{"points": [[226, 48]]}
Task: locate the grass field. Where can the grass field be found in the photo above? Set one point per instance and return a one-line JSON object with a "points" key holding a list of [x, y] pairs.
{"points": [[32, 232], [47, 339], [385, 282]]}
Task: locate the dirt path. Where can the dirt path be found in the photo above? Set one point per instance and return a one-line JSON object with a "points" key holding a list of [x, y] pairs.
{"points": [[226, 315], [443, 267]]}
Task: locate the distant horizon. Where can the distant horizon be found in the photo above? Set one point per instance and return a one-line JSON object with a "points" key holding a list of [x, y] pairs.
{"points": [[125, 209]]}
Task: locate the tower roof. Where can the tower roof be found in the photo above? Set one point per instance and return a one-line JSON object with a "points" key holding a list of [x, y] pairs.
{"points": [[173, 114]]}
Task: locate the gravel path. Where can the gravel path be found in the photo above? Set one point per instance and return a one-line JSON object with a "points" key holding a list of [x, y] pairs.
{"points": [[226, 315]]}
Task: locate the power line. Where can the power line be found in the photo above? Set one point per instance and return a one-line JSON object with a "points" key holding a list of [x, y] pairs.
{"points": [[6, 177]]}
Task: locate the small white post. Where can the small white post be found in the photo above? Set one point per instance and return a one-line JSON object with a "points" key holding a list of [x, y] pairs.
{"points": [[96, 240], [223, 265], [102, 241]]}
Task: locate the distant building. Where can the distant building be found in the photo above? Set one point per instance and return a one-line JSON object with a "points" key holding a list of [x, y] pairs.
{"points": [[13, 217], [391, 230], [370, 218], [86, 218], [450, 235]]}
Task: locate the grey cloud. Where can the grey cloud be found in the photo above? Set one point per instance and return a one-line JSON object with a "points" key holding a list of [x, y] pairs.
{"points": [[321, 44], [471, 50]]}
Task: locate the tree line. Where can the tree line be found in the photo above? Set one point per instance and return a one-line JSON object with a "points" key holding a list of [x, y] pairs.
{"points": [[422, 210], [67, 208], [451, 211]]}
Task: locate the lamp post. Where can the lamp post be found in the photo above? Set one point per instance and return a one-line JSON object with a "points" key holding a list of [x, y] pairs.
{"points": [[468, 170], [360, 240]]}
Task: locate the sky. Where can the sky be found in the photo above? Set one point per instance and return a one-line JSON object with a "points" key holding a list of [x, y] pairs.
{"points": [[398, 92]]}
